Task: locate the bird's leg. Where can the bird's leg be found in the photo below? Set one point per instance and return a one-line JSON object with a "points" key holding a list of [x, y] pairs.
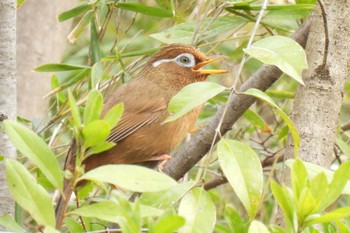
{"points": [[162, 160]]}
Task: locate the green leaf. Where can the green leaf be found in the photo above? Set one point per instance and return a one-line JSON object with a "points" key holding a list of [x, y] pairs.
{"points": [[299, 178], [56, 85], [285, 201], [314, 170], [257, 227], [103, 146], [96, 74], [280, 94], [254, 118], [95, 46], [111, 211], [57, 67], [343, 228], [20, 3], [74, 77], [73, 12], [168, 197], [341, 176], [144, 9], [343, 146], [95, 132], [233, 219], [28, 194], [50, 229], [73, 225], [168, 224], [276, 7], [318, 187], [199, 211], [36, 150], [93, 107], [131, 177], [192, 96], [261, 95], [243, 170], [10, 224], [74, 109], [306, 204], [80, 27], [209, 28], [336, 214], [282, 52], [105, 210], [114, 114]]}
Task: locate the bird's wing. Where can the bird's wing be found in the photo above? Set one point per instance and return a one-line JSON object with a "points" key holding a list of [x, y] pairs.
{"points": [[132, 121], [138, 110]]}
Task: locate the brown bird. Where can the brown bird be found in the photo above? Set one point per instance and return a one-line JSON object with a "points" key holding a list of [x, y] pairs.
{"points": [[140, 134]]}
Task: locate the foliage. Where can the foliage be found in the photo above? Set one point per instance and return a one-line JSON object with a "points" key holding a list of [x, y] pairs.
{"points": [[110, 40]]}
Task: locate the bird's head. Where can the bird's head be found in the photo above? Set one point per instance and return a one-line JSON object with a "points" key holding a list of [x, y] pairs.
{"points": [[177, 65]]}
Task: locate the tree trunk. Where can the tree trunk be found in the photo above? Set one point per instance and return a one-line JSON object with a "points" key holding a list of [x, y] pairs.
{"points": [[7, 92], [39, 40], [317, 104]]}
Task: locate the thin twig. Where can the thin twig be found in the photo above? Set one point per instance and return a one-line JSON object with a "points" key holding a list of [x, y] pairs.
{"points": [[326, 35]]}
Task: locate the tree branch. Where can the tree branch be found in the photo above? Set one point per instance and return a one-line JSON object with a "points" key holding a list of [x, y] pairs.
{"points": [[191, 152]]}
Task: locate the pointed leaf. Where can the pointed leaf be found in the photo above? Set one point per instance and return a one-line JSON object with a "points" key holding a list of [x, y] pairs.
{"points": [[80, 27], [299, 178], [210, 27], [131, 177], [74, 109], [95, 45], [254, 118], [95, 133], [144, 9], [340, 178], [243, 170], [261, 95], [336, 214], [199, 211], [114, 114], [93, 107], [285, 201], [314, 170], [104, 210], [96, 74], [168, 197], [282, 52], [28, 194], [168, 224], [9, 223], [73, 12], [257, 227], [192, 96], [36, 150], [103, 146], [59, 67]]}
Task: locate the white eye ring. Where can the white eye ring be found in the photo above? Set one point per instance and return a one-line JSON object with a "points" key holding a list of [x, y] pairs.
{"points": [[183, 59], [186, 60]]}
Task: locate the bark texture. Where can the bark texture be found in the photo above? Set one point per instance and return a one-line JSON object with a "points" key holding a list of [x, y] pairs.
{"points": [[190, 153], [317, 104], [7, 93], [40, 39]]}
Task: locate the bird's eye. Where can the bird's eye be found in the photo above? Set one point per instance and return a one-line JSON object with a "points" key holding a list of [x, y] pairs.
{"points": [[186, 60]]}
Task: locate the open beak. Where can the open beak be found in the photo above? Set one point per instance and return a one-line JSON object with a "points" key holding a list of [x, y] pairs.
{"points": [[197, 67]]}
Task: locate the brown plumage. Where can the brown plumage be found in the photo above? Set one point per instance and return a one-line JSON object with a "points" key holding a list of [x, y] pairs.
{"points": [[140, 134]]}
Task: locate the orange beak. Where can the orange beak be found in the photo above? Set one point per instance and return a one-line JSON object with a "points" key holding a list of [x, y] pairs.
{"points": [[197, 67]]}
